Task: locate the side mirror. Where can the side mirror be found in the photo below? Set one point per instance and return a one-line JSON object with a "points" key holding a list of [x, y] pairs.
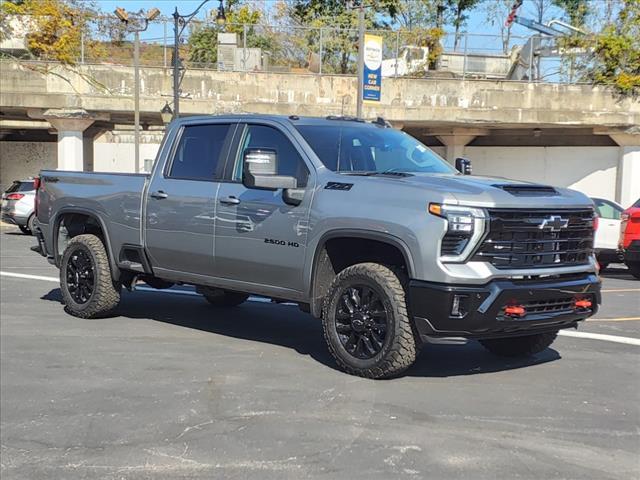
{"points": [[259, 170], [463, 165]]}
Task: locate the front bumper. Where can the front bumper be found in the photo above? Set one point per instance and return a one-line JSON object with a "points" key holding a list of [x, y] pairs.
{"points": [[549, 305]]}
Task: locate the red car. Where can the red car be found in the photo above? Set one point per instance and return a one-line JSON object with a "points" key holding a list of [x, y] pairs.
{"points": [[630, 238]]}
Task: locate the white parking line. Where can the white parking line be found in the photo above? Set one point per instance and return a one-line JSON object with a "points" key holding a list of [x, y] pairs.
{"points": [[600, 336], [565, 333], [30, 277], [138, 288]]}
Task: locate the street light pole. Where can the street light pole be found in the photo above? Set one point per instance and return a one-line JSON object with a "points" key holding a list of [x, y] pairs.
{"points": [[123, 16], [359, 113]]}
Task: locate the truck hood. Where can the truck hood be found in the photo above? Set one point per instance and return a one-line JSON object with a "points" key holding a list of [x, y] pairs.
{"points": [[485, 191]]}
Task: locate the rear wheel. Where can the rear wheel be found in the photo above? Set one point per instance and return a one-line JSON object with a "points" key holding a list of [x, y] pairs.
{"points": [[366, 324], [24, 229], [634, 269], [88, 290], [223, 298], [519, 346]]}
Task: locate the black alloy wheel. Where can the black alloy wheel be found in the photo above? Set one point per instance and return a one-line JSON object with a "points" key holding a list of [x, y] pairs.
{"points": [[361, 321], [80, 276]]}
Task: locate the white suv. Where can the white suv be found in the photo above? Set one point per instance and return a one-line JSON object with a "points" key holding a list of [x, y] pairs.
{"points": [[608, 232], [18, 204]]}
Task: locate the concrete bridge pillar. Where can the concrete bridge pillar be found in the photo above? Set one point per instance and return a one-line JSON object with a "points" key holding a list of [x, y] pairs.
{"points": [[70, 125], [455, 139], [628, 178]]}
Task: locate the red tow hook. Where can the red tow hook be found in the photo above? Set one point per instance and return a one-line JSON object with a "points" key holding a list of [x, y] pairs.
{"points": [[580, 304], [515, 311]]}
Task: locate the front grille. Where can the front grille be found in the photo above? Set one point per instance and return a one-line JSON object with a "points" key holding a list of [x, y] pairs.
{"points": [[516, 239]]}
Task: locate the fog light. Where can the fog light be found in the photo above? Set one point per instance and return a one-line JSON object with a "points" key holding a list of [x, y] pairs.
{"points": [[458, 306]]}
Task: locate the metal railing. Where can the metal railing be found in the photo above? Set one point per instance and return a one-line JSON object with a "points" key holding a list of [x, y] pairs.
{"points": [[325, 51]]}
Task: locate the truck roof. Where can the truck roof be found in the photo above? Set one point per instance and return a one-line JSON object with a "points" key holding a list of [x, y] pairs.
{"points": [[291, 119]]}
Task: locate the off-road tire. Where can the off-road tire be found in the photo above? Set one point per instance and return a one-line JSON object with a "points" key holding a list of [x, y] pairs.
{"points": [[634, 269], [106, 293], [519, 346], [399, 349], [223, 298]]}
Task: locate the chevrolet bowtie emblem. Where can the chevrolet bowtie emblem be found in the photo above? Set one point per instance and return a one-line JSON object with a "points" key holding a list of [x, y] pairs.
{"points": [[554, 223]]}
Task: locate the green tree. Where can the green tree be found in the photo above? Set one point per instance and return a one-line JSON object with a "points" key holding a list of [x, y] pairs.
{"points": [[458, 11], [203, 40], [616, 56], [575, 10], [341, 21], [55, 26]]}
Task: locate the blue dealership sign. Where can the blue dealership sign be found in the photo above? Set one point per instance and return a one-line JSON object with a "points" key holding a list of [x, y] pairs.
{"points": [[372, 77]]}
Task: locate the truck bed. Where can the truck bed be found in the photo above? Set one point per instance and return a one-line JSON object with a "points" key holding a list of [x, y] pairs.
{"points": [[116, 198]]}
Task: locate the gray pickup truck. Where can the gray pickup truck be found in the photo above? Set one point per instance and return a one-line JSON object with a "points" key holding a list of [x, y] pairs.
{"points": [[359, 224]]}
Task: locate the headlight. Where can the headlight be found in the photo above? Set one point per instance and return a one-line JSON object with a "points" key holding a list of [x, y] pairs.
{"points": [[465, 228]]}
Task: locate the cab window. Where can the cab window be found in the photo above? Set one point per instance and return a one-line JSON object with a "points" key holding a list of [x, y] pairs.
{"points": [[289, 161], [198, 153]]}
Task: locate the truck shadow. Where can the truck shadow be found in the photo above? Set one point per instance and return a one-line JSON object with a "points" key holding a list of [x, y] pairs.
{"points": [[286, 326]]}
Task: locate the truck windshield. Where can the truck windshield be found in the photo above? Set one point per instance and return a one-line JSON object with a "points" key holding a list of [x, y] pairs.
{"points": [[371, 150]]}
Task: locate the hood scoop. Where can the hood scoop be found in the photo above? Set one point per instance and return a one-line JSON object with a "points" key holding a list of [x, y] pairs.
{"points": [[518, 190]]}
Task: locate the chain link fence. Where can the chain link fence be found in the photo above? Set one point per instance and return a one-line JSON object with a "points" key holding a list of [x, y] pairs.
{"points": [[326, 51]]}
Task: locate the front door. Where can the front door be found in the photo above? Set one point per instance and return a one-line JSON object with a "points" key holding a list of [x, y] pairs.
{"points": [[180, 212], [608, 231], [260, 239]]}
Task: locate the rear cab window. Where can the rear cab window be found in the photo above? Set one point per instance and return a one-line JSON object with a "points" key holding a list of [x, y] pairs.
{"points": [[199, 150]]}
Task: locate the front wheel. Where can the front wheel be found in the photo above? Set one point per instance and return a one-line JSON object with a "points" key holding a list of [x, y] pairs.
{"points": [[366, 324], [24, 229], [88, 290], [519, 346]]}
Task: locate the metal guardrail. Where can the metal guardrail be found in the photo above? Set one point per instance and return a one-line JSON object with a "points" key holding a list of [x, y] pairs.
{"points": [[325, 50]]}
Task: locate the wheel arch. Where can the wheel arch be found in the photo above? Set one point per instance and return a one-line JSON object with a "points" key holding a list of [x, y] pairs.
{"points": [[103, 234], [322, 271]]}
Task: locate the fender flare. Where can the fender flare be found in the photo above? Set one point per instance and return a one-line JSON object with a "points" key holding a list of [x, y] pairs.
{"points": [[354, 233], [115, 270]]}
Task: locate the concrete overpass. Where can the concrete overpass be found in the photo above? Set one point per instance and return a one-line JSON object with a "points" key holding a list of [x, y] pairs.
{"points": [[81, 103]]}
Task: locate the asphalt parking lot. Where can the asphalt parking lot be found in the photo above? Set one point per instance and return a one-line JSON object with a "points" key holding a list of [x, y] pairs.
{"points": [[173, 388]]}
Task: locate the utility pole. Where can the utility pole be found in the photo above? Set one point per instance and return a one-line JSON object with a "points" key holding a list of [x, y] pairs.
{"points": [[176, 64], [359, 113], [177, 32], [136, 100]]}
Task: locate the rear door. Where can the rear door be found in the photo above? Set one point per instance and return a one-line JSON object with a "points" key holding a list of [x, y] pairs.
{"points": [[608, 230], [180, 211], [260, 239]]}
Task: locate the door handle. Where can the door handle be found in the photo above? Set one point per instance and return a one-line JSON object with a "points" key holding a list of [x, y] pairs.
{"points": [[159, 195], [230, 200]]}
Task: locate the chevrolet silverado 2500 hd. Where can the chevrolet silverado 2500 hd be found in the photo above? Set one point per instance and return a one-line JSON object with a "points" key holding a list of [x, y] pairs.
{"points": [[360, 224]]}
